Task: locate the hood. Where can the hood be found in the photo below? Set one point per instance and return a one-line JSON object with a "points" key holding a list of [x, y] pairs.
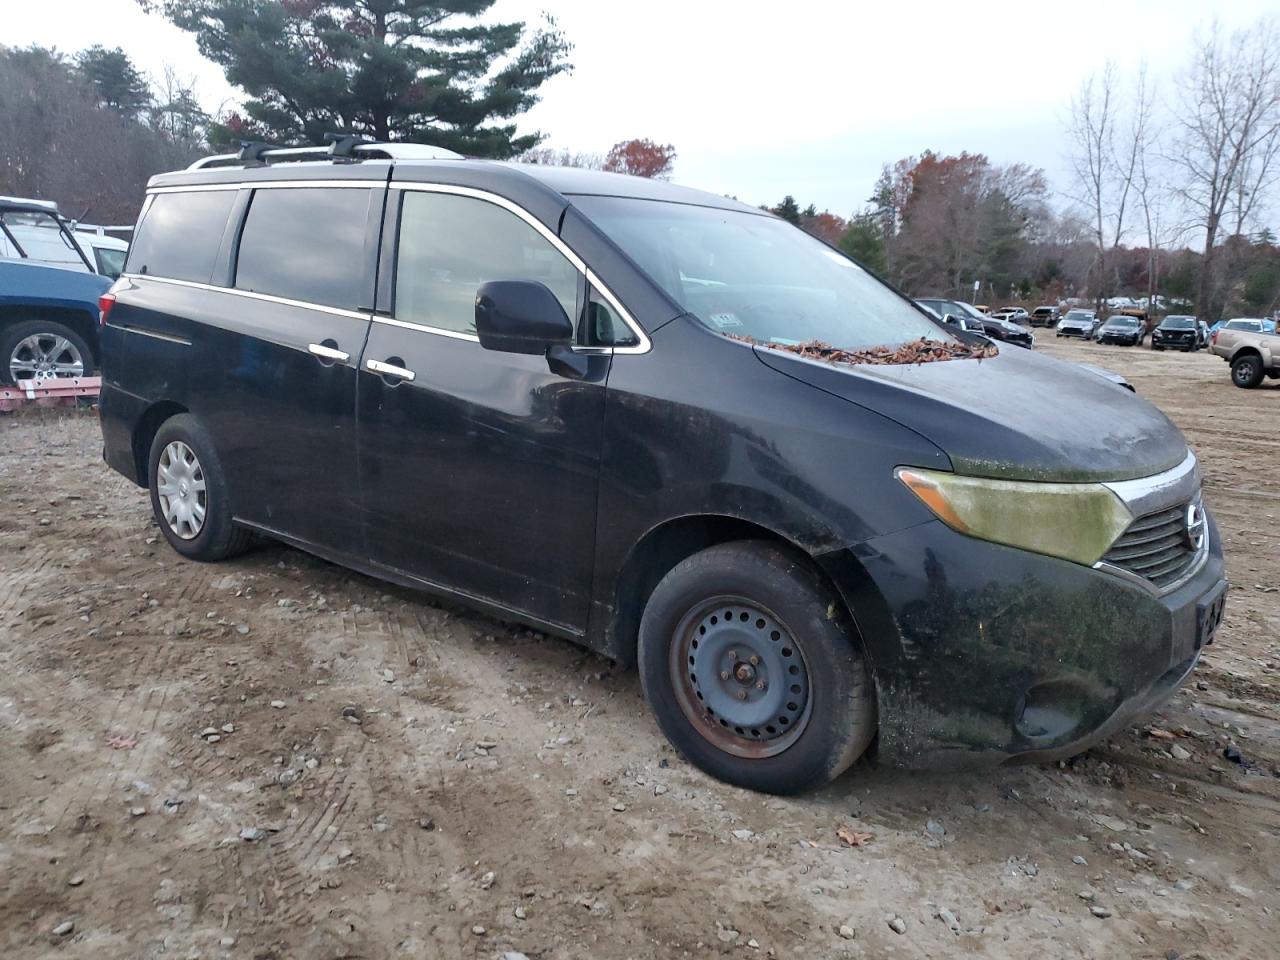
{"points": [[1015, 416]]}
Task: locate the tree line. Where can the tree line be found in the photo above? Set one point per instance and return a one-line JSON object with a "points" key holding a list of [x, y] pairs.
{"points": [[88, 130]]}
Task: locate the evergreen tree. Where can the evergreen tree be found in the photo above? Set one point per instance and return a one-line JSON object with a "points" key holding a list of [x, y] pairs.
{"points": [[116, 82], [788, 210], [389, 69]]}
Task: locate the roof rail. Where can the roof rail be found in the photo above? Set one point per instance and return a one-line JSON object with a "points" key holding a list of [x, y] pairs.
{"points": [[342, 148]]}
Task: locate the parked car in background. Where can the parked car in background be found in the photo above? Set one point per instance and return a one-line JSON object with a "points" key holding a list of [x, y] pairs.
{"points": [[1178, 332], [1139, 314], [48, 309], [1012, 314], [1253, 355], [968, 324], [592, 403], [1202, 333], [1123, 330], [994, 327], [1078, 323], [34, 232], [1251, 324], [1045, 316]]}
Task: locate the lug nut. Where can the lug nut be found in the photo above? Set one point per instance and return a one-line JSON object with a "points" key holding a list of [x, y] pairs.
{"points": [[742, 694], [755, 661], [759, 684], [733, 654], [724, 674]]}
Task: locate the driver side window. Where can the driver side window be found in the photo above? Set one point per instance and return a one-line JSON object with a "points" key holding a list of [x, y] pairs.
{"points": [[449, 245]]}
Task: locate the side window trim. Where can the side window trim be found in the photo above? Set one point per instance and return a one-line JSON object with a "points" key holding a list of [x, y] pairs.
{"points": [[386, 297]]}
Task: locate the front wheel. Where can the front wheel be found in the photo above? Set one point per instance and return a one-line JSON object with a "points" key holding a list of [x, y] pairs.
{"points": [[35, 351], [754, 670], [1247, 372], [189, 493]]}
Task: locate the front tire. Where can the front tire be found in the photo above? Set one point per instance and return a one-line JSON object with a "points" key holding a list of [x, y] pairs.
{"points": [[189, 494], [1247, 372], [753, 669], [34, 351]]}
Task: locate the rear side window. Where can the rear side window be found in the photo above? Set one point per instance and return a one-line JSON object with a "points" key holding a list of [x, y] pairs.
{"points": [[180, 235], [450, 245], [305, 243]]}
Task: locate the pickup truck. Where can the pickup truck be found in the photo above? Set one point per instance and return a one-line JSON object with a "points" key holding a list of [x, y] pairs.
{"points": [[1251, 353], [48, 312]]}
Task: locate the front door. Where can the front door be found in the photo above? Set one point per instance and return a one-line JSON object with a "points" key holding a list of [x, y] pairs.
{"points": [[478, 469]]}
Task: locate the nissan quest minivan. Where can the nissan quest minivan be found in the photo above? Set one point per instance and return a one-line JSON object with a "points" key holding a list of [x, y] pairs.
{"points": [[670, 427]]}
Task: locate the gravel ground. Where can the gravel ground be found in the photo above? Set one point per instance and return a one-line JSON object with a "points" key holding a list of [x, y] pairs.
{"points": [[274, 757]]}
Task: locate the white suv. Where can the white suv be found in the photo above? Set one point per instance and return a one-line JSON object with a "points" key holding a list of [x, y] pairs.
{"points": [[42, 242]]}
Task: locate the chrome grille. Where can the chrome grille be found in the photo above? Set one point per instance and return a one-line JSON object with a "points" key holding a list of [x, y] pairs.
{"points": [[1156, 547]]}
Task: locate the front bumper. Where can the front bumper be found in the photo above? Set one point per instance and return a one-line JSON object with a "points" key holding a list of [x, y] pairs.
{"points": [[1081, 332], [984, 654]]}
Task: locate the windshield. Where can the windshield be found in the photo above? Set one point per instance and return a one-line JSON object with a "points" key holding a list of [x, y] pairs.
{"points": [[110, 262], [754, 276], [1078, 315], [39, 236], [1122, 322], [1179, 323], [1244, 324]]}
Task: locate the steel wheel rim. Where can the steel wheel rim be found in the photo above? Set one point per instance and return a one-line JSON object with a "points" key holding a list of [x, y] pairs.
{"points": [[43, 356], [746, 708], [180, 488]]}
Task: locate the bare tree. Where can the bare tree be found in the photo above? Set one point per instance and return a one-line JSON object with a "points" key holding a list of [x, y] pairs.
{"points": [[1106, 158], [1229, 119], [562, 158]]}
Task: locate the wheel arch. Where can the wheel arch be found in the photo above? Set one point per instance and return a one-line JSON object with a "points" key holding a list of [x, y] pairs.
{"points": [[665, 545], [81, 321], [144, 432]]}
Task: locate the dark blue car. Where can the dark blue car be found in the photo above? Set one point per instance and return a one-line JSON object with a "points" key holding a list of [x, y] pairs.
{"points": [[48, 314]]}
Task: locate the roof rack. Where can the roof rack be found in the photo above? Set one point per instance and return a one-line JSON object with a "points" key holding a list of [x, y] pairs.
{"points": [[342, 148]]}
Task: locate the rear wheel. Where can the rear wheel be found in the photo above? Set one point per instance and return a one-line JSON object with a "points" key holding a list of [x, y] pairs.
{"points": [[189, 492], [34, 351], [754, 671], [1247, 371]]}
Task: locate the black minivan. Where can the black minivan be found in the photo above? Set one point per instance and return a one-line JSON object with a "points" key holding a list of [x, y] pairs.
{"points": [[668, 426]]}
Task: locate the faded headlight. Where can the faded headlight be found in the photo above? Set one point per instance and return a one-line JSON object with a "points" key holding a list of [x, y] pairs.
{"points": [[1074, 521]]}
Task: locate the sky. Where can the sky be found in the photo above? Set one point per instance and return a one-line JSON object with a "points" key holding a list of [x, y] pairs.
{"points": [[762, 100]]}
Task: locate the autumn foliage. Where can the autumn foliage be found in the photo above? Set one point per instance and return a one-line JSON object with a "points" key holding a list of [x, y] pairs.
{"points": [[641, 158]]}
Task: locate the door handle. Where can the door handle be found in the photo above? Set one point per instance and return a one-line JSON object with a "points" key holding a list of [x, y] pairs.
{"points": [[390, 369], [326, 352]]}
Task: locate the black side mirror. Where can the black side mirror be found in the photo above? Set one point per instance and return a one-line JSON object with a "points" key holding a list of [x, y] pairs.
{"points": [[520, 316], [951, 321]]}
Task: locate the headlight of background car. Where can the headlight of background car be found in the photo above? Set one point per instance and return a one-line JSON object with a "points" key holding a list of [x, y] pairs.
{"points": [[1074, 521]]}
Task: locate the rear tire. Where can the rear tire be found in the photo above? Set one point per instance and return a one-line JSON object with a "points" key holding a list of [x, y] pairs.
{"points": [[35, 350], [189, 494], [753, 669], [1247, 371]]}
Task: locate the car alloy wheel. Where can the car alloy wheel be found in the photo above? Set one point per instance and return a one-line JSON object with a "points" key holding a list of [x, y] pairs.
{"points": [[180, 485], [43, 356], [740, 677]]}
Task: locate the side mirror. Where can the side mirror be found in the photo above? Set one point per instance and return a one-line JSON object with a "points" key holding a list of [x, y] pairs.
{"points": [[951, 321], [520, 316]]}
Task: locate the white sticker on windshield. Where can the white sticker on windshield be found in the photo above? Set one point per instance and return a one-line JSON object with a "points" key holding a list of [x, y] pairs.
{"points": [[843, 261], [725, 321]]}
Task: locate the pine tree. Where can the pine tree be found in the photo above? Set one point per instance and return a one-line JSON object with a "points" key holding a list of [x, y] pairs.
{"points": [[116, 82], [388, 69]]}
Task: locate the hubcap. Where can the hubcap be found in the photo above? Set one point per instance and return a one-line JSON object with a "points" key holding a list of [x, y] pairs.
{"points": [[43, 356], [740, 677], [181, 490]]}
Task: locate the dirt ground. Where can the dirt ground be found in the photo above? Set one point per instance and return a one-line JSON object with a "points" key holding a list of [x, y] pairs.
{"points": [[274, 758]]}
